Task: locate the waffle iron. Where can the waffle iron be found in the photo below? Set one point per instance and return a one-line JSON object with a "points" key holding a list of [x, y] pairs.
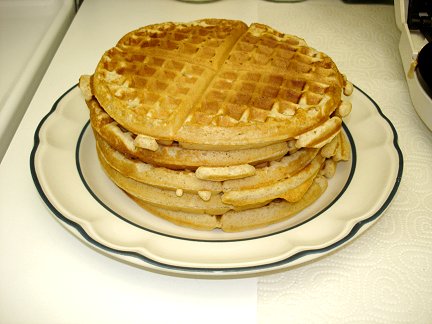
{"points": [[414, 20]]}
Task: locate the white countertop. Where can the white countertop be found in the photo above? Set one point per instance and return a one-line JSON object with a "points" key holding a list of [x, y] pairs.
{"points": [[30, 32], [49, 276]]}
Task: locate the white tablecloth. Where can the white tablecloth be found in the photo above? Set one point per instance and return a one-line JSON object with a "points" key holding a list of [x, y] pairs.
{"points": [[48, 276]]}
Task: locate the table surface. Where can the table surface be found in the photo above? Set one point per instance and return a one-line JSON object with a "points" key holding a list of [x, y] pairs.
{"points": [[30, 32], [49, 276]]}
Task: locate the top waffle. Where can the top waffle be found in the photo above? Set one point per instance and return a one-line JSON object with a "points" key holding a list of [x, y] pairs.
{"points": [[217, 84]]}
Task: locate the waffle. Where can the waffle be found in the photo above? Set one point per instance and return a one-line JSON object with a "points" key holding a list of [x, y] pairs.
{"points": [[207, 201], [217, 85], [173, 155], [281, 189], [275, 192], [291, 167], [167, 199], [216, 124], [235, 220], [195, 211], [184, 180], [183, 190], [150, 81]]}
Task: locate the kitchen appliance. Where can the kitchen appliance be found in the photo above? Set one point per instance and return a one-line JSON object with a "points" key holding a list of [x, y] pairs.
{"points": [[414, 20]]}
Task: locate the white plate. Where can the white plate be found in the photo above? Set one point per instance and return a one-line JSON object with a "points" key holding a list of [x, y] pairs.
{"points": [[69, 179]]}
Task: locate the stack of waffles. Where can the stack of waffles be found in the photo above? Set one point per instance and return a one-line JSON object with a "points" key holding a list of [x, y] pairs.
{"points": [[217, 124]]}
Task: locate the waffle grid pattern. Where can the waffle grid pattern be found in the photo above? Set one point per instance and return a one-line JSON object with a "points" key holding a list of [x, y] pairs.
{"points": [[184, 41], [168, 80], [251, 97], [154, 86]]}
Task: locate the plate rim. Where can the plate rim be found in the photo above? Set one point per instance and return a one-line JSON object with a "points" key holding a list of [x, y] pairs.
{"points": [[356, 228]]}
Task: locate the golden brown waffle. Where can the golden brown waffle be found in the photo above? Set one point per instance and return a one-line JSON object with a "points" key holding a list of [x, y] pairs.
{"points": [[182, 190], [216, 124], [208, 201], [172, 155], [184, 180], [203, 42], [216, 85], [241, 220], [156, 73], [272, 86], [292, 166]]}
